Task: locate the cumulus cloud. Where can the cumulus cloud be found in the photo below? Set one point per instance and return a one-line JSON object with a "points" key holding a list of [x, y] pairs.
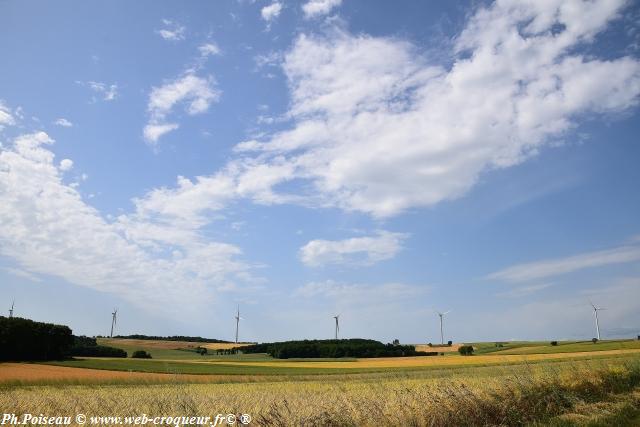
{"points": [[153, 132], [357, 250], [172, 31], [314, 8], [47, 228], [196, 93], [66, 164], [271, 12], [63, 122], [378, 129], [556, 267]]}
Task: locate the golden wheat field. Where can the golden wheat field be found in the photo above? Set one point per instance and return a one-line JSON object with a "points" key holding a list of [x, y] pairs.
{"points": [[514, 395]]}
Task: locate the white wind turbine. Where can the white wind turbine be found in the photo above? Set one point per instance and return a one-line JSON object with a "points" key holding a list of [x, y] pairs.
{"points": [[11, 310], [441, 330], [595, 313], [113, 320], [238, 319], [337, 317]]}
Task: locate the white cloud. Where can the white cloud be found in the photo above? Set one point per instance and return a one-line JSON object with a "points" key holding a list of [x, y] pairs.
{"points": [[46, 228], [197, 93], [209, 49], [556, 267], [66, 164], [63, 122], [271, 12], [358, 250], [153, 132], [378, 129], [6, 118], [172, 31], [314, 8], [107, 92]]}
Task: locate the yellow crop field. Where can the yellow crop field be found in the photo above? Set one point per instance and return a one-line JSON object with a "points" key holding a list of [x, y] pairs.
{"points": [[27, 373], [431, 361], [167, 345], [478, 396]]}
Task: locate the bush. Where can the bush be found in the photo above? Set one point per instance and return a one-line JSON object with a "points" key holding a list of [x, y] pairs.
{"points": [[554, 343], [97, 351], [201, 351], [449, 343], [140, 354], [431, 345], [594, 340], [24, 339], [465, 350]]}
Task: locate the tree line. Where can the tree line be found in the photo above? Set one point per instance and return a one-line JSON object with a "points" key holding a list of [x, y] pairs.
{"points": [[355, 347], [171, 338], [25, 339]]}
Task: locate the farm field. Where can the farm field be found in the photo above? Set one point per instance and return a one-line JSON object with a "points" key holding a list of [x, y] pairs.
{"points": [[596, 387], [546, 393], [159, 349]]}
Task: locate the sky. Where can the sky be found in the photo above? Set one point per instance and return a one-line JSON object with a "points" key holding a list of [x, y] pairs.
{"points": [[303, 159]]}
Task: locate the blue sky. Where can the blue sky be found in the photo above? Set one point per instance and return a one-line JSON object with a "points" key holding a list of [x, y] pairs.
{"points": [[304, 159]]}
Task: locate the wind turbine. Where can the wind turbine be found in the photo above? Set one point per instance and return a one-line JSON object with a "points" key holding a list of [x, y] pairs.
{"points": [[238, 318], [11, 311], [441, 331], [595, 313], [113, 320], [337, 317]]}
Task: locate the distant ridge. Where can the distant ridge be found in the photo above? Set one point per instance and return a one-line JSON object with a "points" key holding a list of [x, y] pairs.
{"points": [[171, 338]]}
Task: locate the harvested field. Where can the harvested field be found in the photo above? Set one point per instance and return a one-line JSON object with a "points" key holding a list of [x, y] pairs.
{"points": [[428, 361], [166, 345], [438, 348], [36, 373]]}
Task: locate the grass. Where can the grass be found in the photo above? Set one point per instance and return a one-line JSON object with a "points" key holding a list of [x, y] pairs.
{"points": [[174, 350], [573, 347], [562, 393]]}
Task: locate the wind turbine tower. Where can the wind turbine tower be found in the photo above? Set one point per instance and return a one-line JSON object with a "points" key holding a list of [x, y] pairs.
{"points": [[337, 317], [595, 314], [11, 310], [238, 318], [113, 320], [441, 330]]}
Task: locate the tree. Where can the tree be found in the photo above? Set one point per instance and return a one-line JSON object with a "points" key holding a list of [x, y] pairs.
{"points": [[465, 350], [594, 340], [141, 354], [396, 342]]}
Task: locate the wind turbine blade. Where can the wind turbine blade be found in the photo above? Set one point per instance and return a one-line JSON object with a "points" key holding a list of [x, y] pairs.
{"points": [[447, 312]]}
